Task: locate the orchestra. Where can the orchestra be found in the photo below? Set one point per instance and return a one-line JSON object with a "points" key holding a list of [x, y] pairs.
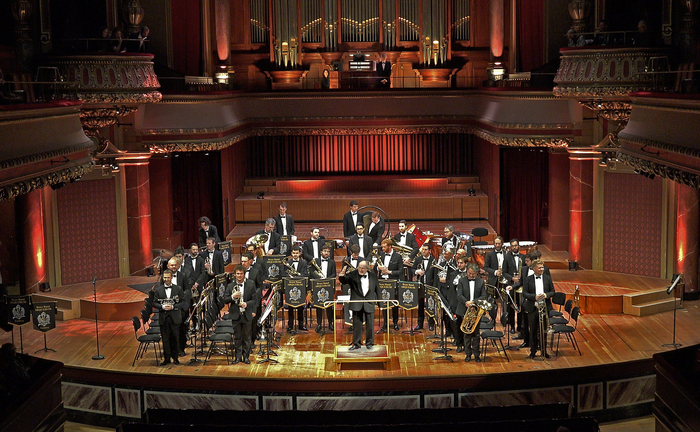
{"points": [[446, 267]]}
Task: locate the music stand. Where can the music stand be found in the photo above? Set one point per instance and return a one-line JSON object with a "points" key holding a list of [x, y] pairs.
{"points": [[98, 356], [442, 348], [266, 321], [197, 308], [675, 308]]}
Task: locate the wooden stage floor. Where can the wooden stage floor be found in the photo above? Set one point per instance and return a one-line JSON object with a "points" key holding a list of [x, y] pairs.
{"points": [[603, 338]]}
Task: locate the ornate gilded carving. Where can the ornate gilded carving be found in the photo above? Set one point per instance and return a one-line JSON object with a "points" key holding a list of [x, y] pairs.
{"points": [[29, 159], [611, 110], [679, 176], [93, 119], [669, 147], [27, 185], [524, 141]]}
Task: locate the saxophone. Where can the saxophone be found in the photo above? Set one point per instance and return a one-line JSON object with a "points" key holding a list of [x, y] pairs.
{"points": [[472, 318]]}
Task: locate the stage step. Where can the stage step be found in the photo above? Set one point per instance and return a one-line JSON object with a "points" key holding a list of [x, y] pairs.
{"points": [[648, 303], [66, 308]]}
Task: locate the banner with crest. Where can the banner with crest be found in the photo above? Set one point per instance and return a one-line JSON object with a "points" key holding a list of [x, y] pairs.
{"points": [[44, 316], [295, 292], [408, 294], [225, 248], [274, 269], [221, 284], [322, 290], [285, 245], [387, 291], [18, 309], [431, 298]]}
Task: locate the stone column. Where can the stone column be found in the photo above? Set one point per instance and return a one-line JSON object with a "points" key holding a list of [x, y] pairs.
{"points": [[31, 240], [687, 236], [138, 216], [581, 212]]}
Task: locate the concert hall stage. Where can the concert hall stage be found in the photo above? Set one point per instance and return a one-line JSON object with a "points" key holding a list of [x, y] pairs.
{"points": [[614, 378]]}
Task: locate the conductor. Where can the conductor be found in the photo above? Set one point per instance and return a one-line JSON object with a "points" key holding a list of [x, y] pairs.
{"points": [[363, 286]]}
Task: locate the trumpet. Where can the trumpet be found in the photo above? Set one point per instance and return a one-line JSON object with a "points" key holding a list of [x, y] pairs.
{"points": [[291, 270]]}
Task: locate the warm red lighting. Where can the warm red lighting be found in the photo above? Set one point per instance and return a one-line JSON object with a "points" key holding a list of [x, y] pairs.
{"points": [[575, 232]]}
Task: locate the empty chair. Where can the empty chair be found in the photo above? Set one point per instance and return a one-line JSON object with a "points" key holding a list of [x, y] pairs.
{"points": [[559, 299], [568, 331], [479, 232], [144, 341]]}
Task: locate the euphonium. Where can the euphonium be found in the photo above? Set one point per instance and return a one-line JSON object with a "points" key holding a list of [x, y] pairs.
{"points": [[472, 318], [350, 267], [317, 269], [403, 250], [291, 270], [442, 273]]}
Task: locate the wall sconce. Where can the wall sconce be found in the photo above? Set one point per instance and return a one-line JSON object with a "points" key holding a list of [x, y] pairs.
{"points": [[495, 71], [222, 75]]}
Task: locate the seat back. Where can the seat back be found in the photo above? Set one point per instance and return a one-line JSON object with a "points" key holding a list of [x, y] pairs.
{"points": [[559, 298], [574, 315], [479, 232], [137, 324], [567, 307]]}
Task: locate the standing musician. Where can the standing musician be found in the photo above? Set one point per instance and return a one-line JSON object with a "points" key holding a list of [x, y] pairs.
{"points": [[407, 239], [364, 242], [182, 278], [206, 230], [284, 223], [526, 271], [300, 266], [493, 265], [470, 289], [195, 263], [442, 278], [450, 237], [351, 219], [376, 228], [328, 271], [456, 304], [311, 248], [512, 267], [244, 300], [423, 273], [213, 260], [253, 273], [169, 300], [537, 287], [272, 244], [363, 286], [390, 266]]}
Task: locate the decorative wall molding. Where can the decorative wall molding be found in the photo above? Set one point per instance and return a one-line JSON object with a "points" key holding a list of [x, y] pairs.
{"points": [[682, 177], [25, 186]]}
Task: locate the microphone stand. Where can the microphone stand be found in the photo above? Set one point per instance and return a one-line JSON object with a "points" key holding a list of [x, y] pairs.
{"points": [[675, 307], [98, 356]]}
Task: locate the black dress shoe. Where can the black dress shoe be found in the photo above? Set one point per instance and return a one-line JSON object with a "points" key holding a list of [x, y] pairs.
{"points": [[382, 329], [369, 346], [467, 359], [289, 329], [477, 359], [418, 327], [303, 328], [165, 363], [246, 360], [396, 327], [176, 361], [512, 331], [353, 347], [431, 327], [318, 329], [524, 345], [546, 355], [517, 337], [532, 355], [331, 328], [235, 361], [460, 349], [181, 353]]}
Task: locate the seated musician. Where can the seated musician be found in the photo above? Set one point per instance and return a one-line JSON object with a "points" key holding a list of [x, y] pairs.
{"points": [[390, 266], [470, 289], [450, 237], [423, 273], [328, 271], [244, 300], [272, 244], [296, 267]]}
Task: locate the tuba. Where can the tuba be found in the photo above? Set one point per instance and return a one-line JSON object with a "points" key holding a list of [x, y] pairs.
{"points": [[472, 318], [404, 251], [258, 240]]}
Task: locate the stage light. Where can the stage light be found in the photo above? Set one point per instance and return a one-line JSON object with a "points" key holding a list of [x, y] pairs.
{"points": [[45, 287], [573, 265], [261, 195]]}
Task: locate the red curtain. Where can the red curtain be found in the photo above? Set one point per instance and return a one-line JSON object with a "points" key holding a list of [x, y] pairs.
{"points": [[531, 34], [196, 193], [186, 36], [524, 192]]}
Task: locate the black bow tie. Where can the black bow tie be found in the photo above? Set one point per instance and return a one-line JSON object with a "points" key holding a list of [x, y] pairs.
{"points": [[295, 261], [499, 252], [168, 286], [364, 277], [538, 277], [324, 260], [314, 240], [403, 235]]}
